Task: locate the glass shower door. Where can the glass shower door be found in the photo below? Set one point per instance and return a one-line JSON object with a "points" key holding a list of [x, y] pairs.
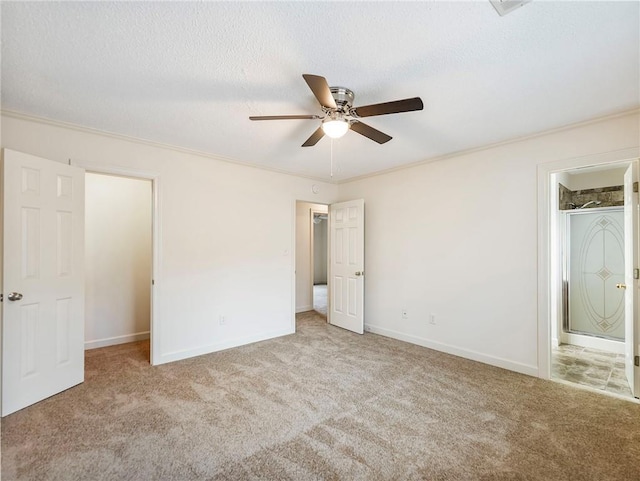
{"points": [[595, 241]]}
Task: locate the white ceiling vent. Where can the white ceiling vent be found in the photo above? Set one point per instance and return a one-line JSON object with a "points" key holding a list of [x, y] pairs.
{"points": [[507, 6]]}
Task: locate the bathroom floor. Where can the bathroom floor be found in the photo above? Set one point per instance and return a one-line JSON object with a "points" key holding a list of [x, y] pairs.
{"points": [[590, 367]]}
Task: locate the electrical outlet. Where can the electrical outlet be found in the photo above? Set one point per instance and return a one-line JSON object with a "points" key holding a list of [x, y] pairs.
{"points": [[405, 314], [432, 319], [222, 320]]}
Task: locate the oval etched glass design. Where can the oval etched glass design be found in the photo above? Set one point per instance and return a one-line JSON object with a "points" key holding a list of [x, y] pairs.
{"points": [[596, 260]]}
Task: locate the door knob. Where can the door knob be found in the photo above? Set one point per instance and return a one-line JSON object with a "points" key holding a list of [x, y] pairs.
{"points": [[14, 296], [358, 274], [621, 286]]}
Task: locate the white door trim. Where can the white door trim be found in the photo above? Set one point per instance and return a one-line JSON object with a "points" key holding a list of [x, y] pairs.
{"points": [[156, 231], [630, 264], [545, 217], [294, 254]]}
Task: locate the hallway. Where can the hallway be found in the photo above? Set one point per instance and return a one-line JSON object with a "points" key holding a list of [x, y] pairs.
{"points": [[320, 298]]}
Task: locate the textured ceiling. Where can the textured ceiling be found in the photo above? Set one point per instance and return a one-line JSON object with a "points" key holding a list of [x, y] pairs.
{"points": [[190, 74]]}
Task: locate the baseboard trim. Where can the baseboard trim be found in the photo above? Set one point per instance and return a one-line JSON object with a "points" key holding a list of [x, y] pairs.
{"points": [[303, 309], [456, 351], [113, 341], [221, 346]]}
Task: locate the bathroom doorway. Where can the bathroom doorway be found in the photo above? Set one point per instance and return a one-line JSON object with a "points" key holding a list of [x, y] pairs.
{"points": [[588, 332]]}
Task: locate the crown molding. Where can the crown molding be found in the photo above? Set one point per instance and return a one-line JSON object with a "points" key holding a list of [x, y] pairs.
{"points": [[515, 140], [150, 143]]}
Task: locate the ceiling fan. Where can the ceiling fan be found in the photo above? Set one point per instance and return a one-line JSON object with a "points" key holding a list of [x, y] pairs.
{"points": [[339, 114]]}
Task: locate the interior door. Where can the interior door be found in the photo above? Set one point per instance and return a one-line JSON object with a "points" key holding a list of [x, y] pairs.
{"points": [[631, 291], [43, 279], [346, 265]]}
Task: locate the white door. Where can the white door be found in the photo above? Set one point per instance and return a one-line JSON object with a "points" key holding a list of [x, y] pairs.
{"points": [[43, 279], [631, 291], [346, 265]]}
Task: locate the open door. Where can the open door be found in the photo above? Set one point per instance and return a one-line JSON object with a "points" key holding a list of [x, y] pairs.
{"points": [[631, 281], [43, 279], [346, 265]]}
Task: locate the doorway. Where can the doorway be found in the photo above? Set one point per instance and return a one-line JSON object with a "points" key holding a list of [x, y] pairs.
{"points": [[345, 263], [311, 257], [589, 238], [320, 260], [43, 326], [118, 261]]}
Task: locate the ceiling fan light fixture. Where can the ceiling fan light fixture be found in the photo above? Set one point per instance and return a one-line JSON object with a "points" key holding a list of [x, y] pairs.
{"points": [[335, 128], [339, 115]]}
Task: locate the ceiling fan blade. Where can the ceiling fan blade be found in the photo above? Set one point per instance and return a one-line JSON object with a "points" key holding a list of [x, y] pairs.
{"points": [[370, 132], [395, 107], [285, 117], [320, 89], [315, 137]]}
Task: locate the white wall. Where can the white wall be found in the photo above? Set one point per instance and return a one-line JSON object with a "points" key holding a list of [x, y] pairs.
{"points": [[117, 259], [320, 252], [458, 238], [592, 179], [304, 286], [1, 257], [226, 235]]}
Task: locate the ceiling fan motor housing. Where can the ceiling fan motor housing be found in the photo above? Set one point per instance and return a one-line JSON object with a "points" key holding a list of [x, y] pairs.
{"points": [[343, 97]]}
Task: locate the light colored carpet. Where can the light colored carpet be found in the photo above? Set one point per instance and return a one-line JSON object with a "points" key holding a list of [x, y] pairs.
{"points": [[320, 404], [320, 298]]}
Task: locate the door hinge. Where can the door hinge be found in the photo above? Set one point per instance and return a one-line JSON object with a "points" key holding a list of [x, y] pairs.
{"points": [[636, 360], [153, 282], [635, 187], [1, 297], [636, 273]]}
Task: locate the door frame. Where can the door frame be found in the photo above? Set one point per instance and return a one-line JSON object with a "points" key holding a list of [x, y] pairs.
{"points": [[549, 303], [294, 254], [154, 177]]}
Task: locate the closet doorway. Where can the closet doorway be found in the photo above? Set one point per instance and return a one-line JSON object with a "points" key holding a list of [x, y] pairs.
{"points": [[118, 260]]}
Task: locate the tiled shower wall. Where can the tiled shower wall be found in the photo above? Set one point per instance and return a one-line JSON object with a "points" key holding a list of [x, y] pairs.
{"points": [[608, 196], [566, 197]]}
